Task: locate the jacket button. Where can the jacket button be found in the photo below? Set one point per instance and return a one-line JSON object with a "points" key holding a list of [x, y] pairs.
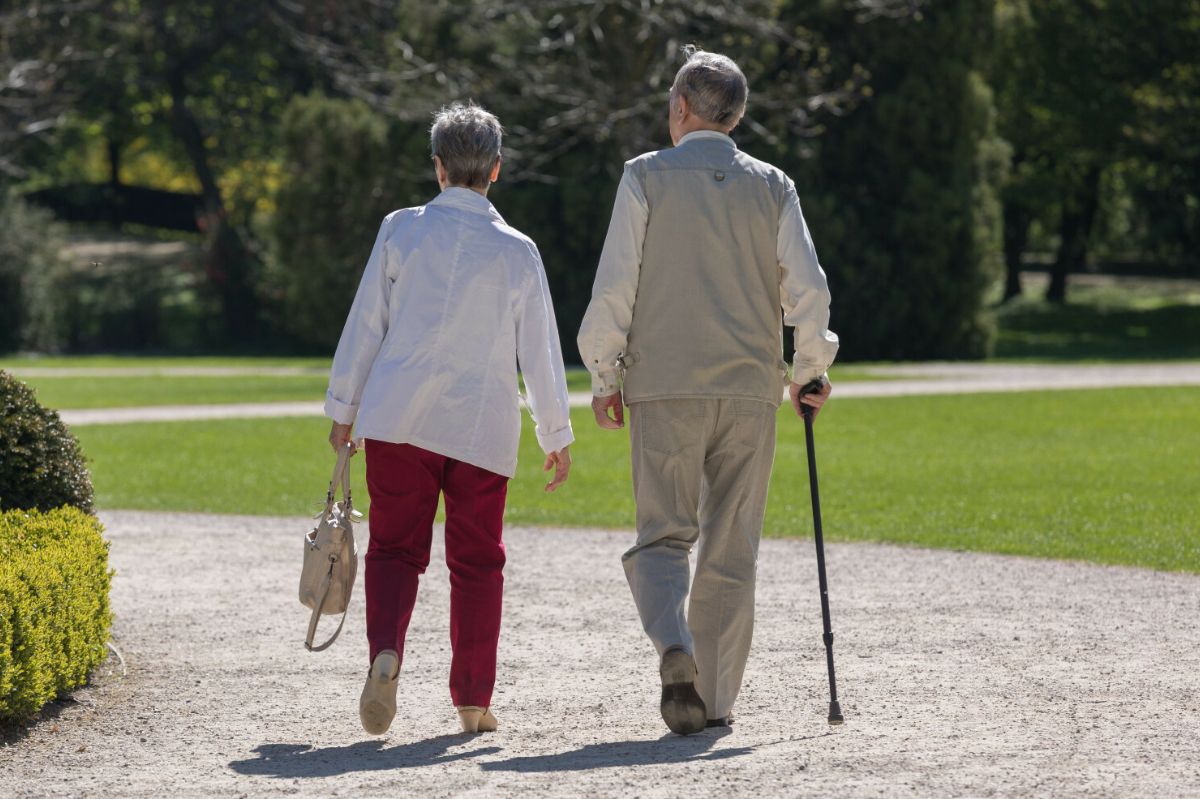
{"points": [[719, 176]]}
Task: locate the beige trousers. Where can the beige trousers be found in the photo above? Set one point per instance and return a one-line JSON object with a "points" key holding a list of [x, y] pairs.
{"points": [[700, 473]]}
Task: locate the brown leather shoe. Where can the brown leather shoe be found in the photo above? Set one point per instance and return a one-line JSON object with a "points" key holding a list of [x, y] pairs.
{"points": [[682, 708]]}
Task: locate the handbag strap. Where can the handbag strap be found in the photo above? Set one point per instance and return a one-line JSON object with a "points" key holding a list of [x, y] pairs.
{"points": [[316, 617], [341, 476]]}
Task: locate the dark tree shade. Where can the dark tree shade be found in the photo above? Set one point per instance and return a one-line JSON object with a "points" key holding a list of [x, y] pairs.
{"points": [[901, 196]]}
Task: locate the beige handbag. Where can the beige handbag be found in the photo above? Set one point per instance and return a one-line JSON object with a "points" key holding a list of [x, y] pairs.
{"points": [[330, 556]]}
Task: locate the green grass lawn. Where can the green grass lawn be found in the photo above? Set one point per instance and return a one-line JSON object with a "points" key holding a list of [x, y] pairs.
{"points": [[155, 362], [1108, 476], [113, 391], [128, 392]]}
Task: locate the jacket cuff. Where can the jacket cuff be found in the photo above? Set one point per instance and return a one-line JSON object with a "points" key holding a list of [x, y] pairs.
{"points": [[553, 442], [340, 412], [605, 384], [805, 373]]}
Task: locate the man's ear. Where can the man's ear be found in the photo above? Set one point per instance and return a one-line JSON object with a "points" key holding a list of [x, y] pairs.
{"points": [[492, 178], [684, 108], [439, 170]]}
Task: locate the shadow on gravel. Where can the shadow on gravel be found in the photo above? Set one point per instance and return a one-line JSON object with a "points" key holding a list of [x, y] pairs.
{"points": [[301, 760], [670, 748]]}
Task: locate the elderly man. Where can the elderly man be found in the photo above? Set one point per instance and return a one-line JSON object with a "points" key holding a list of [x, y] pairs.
{"points": [[705, 246], [452, 299]]}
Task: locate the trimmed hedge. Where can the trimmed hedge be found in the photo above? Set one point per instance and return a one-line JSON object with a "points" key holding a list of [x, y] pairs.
{"points": [[54, 612], [41, 465]]}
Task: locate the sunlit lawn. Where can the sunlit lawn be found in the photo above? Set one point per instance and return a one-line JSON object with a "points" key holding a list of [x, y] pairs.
{"points": [[1109, 476], [91, 382], [122, 392], [163, 362]]}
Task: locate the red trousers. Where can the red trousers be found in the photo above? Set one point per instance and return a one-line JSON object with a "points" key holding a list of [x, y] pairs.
{"points": [[404, 482]]}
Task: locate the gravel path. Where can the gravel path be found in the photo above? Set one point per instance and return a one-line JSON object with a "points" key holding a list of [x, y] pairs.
{"points": [[970, 378], [961, 675], [909, 380]]}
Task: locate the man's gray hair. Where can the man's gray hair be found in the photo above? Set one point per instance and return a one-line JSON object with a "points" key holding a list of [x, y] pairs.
{"points": [[714, 86], [467, 140]]}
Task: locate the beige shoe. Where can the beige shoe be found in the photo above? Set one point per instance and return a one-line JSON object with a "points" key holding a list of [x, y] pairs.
{"points": [[377, 705], [476, 719], [682, 708]]}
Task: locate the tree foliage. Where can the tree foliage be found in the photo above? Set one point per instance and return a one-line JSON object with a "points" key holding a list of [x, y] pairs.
{"points": [[347, 168], [1088, 89], [896, 117], [904, 191], [30, 261]]}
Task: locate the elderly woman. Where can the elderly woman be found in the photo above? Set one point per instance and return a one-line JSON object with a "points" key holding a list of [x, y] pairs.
{"points": [[451, 301]]}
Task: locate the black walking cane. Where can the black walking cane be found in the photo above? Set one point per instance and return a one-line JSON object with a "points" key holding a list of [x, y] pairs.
{"points": [[835, 710]]}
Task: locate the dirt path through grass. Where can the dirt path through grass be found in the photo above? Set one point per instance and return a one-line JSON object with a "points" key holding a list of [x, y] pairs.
{"points": [[961, 675]]}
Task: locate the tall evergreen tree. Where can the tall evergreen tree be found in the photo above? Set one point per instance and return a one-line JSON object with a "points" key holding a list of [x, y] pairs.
{"points": [[902, 193]]}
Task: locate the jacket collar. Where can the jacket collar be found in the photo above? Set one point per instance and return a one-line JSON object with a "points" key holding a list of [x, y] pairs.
{"points": [[712, 135], [467, 200]]}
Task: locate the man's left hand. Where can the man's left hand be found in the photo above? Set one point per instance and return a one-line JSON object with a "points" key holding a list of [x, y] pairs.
{"points": [[602, 405], [814, 399]]}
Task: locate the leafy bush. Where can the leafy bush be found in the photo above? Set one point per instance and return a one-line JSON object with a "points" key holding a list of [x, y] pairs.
{"points": [[30, 243], [54, 611], [41, 466], [137, 294], [343, 172]]}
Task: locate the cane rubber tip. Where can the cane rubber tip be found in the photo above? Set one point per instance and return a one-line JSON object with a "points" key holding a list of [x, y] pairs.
{"points": [[835, 714]]}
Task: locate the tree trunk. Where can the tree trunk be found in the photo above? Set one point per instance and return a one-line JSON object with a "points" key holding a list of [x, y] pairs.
{"points": [[1016, 234], [1078, 210], [226, 259]]}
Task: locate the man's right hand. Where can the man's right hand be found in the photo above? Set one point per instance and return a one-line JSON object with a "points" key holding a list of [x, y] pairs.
{"points": [[602, 405], [814, 399]]}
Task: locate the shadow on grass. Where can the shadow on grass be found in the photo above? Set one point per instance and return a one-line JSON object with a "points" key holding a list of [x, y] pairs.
{"points": [[1081, 332], [294, 761]]}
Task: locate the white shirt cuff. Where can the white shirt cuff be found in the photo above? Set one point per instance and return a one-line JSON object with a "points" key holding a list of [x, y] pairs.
{"points": [[340, 412], [553, 442]]}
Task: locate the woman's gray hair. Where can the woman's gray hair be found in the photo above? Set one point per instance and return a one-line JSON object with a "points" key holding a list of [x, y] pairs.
{"points": [[467, 140], [714, 86]]}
